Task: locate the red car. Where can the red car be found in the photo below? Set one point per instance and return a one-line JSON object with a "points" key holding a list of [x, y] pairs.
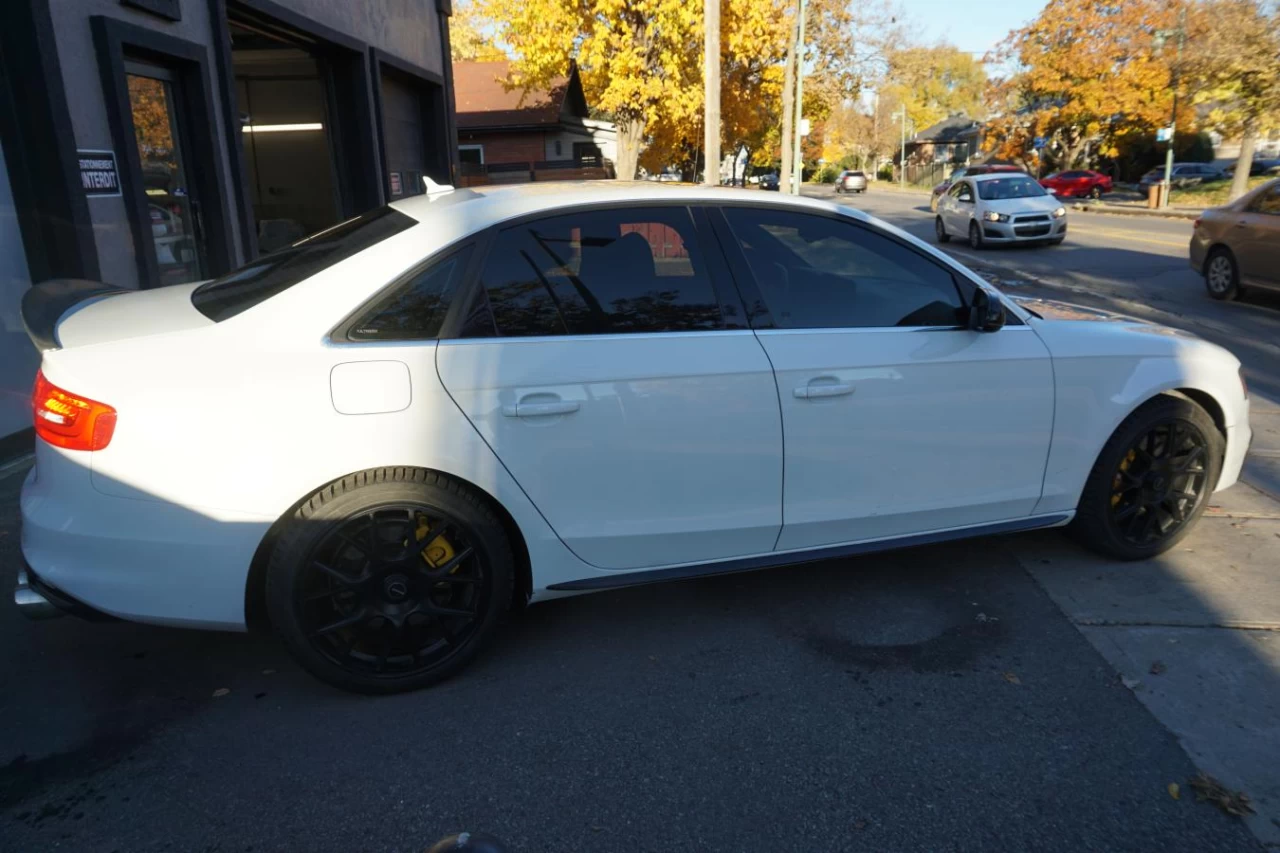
{"points": [[1078, 183]]}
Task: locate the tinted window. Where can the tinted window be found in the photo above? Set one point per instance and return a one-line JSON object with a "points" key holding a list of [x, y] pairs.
{"points": [[274, 273], [597, 272], [1018, 186], [962, 192], [819, 273], [1267, 202], [413, 310]]}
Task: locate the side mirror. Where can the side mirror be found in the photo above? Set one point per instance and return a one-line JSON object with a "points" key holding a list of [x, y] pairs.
{"points": [[986, 314]]}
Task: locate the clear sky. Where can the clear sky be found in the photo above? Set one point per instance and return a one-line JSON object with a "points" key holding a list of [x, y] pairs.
{"points": [[975, 27]]}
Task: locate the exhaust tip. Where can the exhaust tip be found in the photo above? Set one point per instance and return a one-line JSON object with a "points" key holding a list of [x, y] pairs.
{"points": [[31, 603]]}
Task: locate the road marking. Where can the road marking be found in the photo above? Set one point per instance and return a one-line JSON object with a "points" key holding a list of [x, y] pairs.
{"points": [[1125, 236]]}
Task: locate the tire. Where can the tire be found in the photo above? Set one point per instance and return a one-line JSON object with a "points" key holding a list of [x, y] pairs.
{"points": [[1127, 480], [975, 236], [1221, 274], [933, 204], [940, 230], [399, 621]]}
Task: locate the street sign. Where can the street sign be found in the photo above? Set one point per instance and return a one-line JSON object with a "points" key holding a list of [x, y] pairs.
{"points": [[98, 173], [804, 127], [1164, 134], [1039, 143]]}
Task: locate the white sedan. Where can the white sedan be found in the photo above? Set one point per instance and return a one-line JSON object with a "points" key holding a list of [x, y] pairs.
{"points": [[377, 440], [1000, 207]]}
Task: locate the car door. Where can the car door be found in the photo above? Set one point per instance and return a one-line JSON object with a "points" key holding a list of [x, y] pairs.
{"points": [[960, 210], [1255, 239], [637, 411], [897, 417]]}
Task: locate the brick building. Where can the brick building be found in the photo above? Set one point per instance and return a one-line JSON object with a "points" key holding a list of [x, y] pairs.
{"points": [[508, 134]]}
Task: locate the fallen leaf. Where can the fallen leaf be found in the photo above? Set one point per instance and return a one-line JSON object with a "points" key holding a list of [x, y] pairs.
{"points": [[1209, 789], [221, 691], [1158, 667], [1011, 678], [1131, 683], [1175, 791]]}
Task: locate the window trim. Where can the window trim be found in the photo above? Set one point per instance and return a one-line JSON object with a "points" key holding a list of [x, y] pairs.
{"points": [[719, 275], [471, 147], [341, 331], [965, 288], [1255, 204]]}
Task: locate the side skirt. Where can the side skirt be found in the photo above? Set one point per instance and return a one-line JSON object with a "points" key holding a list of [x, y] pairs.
{"points": [[791, 558]]}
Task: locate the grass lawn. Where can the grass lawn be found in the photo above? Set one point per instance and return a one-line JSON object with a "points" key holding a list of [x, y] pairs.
{"points": [[1211, 194]]}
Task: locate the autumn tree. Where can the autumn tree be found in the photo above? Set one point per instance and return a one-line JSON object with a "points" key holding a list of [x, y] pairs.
{"points": [[467, 41], [639, 60], [935, 82], [1086, 74], [1232, 52]]}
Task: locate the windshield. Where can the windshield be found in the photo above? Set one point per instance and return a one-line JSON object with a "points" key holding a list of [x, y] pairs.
{"points": [[1017, 186], [276, 272]]}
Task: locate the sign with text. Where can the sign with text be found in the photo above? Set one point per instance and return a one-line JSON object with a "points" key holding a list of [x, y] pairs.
{"points": [[98, 173]]}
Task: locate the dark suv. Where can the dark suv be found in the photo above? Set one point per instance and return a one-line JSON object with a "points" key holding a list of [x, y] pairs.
{"points": [[960, 173]]}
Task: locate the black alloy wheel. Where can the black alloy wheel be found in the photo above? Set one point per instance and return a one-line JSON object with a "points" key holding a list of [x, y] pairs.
{"points": [[393, 592], [1159, 481], [1151, 481], [941, 230], [389, 580]]}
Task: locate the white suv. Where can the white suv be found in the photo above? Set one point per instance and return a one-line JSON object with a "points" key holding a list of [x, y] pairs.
{"points": [[377, 440]]}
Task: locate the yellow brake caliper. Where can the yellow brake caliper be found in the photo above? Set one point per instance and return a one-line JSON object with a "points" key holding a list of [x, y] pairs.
{"points": [[438, 551], [1118, 492]]}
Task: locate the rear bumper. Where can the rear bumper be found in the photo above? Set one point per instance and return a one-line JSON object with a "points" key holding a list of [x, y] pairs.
{"points": [[37, 600], [142, 560]]}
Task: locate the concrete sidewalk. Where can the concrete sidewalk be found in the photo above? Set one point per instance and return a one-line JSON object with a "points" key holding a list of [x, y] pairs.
{"points": [[1195, 634]]}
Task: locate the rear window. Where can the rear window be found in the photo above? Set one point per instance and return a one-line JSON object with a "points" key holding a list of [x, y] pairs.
{"points": [[275, 273]]}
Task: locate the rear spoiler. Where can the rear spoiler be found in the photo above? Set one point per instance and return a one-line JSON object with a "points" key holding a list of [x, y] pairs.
{"points": [[44, 304]]}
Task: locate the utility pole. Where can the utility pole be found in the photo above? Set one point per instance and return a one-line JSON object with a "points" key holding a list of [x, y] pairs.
{"points": [[711, 93], [797, 162], [788, 112], [902, 156], [1180, 33]]}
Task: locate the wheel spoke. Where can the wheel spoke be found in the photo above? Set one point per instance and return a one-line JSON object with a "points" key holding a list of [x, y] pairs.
{"points": [[437, 610], [340, 577], [345, 622], [1196, 454], [1127, 511]]}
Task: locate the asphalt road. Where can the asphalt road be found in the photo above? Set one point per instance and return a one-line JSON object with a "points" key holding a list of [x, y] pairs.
{"points": [[1131, 265], [932, 699]]}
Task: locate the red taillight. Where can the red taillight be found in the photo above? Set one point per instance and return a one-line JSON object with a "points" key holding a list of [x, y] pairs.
{"points": [[66, 420]]}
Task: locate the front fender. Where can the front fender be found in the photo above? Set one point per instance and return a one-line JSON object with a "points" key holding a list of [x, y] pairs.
{"points": [[1095, 393]]}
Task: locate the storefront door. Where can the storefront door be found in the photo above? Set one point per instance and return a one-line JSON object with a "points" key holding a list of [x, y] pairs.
{"points": [[173, 209]]}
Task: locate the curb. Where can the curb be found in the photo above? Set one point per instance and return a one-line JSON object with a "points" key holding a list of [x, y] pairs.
{"points": [[1120, 210]]}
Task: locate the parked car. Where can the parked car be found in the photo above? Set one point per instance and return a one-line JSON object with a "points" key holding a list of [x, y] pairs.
{"points": [[1237, 246], [851, 181], [1000, 208], [1184, 175], [382, 437], [1078, 183], [1257, 166], [769, 182], [964, 171]]}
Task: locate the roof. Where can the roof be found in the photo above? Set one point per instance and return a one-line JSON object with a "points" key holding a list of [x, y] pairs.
{"points": [[484, 100], [995, 176], [953, 129]]}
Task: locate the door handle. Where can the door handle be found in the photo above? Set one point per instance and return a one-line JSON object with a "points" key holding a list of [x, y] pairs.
{"points": [[538, 410], [814, 392]]}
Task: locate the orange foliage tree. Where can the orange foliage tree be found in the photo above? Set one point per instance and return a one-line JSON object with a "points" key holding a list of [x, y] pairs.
{"points": [[1084, 75]]}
